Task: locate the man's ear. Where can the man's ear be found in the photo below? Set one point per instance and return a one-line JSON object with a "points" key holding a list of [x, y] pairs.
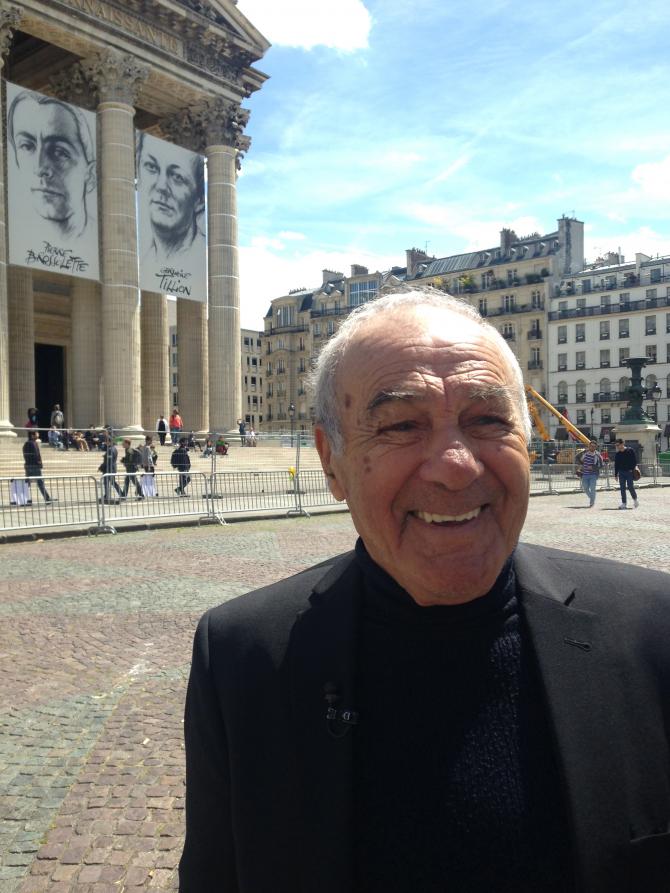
{"points": [[326, 455]]}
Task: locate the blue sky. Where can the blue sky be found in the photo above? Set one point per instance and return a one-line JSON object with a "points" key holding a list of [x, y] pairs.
{"points": [[391, 124]]}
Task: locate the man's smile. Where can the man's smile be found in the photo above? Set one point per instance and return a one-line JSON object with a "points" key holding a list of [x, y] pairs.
{"points": [[432, 518]]}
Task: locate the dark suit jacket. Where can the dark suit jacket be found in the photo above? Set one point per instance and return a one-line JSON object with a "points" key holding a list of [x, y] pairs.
{"points": [[269, 800]]}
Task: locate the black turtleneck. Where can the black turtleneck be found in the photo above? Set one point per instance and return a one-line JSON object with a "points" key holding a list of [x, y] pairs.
{"points": [[455, 784]]}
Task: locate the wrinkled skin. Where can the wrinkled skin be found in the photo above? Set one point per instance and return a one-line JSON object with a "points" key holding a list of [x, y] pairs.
{"points": [[435, 465]]}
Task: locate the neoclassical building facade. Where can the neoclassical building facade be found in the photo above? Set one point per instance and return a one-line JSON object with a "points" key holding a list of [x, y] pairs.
{"points": [[173, 69]]}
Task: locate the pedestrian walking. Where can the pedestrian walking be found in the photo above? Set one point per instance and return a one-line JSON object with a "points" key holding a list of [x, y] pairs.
{"points": [[591, 462], [149, 459], [242, 430], [625, 463], [131, 461], [32, 462], [176, 425], [162, 429], [108, 468], [181, 462]]}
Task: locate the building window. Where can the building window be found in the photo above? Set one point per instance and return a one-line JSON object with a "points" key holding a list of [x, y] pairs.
{"points": [[562, 363], [605, 302], [605, 416], [605, 330], [586, 286], [580, 332], [508, 331], [331, 327], [655, 274], [562, 392], [174, 359], [174, 339], [562, 306], [650, 325], [361, 292], [174, 379], [285, 316], [175, 399], [483, 306], [317, 329], [650, 351], [623, 328], [604, 359], [580, 388], [624, 353], [581, 417], [536, 300], [507, 303], [650, 294], [580, 359], [562, 334], [581, 306]]}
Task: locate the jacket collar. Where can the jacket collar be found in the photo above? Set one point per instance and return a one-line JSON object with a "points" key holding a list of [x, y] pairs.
{"points": [[577, 673]]}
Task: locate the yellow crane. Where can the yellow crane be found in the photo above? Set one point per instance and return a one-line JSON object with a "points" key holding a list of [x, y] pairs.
{"points": [[538, 398]]}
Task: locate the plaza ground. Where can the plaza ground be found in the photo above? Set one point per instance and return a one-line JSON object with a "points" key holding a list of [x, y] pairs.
{"points": [[95, 647]]}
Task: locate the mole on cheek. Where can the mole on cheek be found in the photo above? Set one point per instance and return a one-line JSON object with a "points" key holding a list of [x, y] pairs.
{"points": [[347, 401], [367, 465]]}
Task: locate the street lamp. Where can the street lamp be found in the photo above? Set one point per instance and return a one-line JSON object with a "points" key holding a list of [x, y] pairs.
{"points": [[291, 415], [655, 395]]}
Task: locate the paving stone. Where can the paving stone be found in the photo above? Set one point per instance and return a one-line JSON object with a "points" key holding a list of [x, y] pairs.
{"points": [[95, 645]]}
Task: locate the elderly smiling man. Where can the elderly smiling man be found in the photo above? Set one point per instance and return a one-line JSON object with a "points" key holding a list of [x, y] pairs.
{"points": [[444, 708]]}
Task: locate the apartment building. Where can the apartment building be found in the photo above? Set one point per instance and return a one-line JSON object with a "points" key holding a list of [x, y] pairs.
{"points": [[597, 319]]}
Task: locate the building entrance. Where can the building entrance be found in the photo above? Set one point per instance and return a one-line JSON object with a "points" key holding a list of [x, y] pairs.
{"points": [[49, 380]]}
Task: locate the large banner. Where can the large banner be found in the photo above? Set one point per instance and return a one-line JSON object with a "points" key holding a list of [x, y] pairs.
{"points": [[52, 190], [171, 219]]}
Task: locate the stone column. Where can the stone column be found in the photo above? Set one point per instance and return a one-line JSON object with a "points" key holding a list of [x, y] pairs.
{"points": [[155, 359], [86, 354], [193, 367], [10, 19], [217, 128], [117, 78], [21, 342]]}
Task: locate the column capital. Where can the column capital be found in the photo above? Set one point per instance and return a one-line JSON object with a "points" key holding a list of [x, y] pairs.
{"points": [[117, 77], [10, 19], [216, 122], [73, 85]]}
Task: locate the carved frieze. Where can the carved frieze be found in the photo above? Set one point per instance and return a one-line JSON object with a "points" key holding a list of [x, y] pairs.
{"points": [[10, 19], [117, 77], [72, 85], [217, 122]]}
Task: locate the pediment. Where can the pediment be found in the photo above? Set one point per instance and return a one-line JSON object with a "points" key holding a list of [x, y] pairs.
{"points": [[225, 15]]}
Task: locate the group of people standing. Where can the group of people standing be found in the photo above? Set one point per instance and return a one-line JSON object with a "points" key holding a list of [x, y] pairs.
{"points": [[140, 467]]}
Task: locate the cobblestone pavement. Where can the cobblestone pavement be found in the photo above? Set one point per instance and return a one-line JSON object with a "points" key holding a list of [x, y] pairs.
{"points": [[94, 653]]}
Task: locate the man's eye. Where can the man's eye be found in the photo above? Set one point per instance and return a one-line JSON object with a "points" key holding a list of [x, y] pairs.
{"points": [[150, 167], [61, 154], [405, 425]]}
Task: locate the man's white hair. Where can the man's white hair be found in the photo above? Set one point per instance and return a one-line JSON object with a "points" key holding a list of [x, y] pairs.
{"points": [[323, 380]]}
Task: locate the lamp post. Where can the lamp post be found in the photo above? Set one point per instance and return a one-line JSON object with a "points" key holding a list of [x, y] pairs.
{"points": [[291, 415], [654, 394]]}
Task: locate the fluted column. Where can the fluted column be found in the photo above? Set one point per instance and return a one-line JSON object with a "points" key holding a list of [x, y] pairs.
{"points": [[86, 354], [10, 19], [21, 341], [155, 359], [117, 78], [193, 379]]}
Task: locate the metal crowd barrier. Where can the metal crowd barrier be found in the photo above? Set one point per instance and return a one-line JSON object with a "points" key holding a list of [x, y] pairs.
{"points": [[159, 496], [73, 502], [564, 478]]}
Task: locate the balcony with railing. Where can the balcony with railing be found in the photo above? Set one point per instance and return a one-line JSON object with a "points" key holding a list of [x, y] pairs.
{"points": [[600, 310], [277, 330], [609, 396], [535, 364], [535, 334]]}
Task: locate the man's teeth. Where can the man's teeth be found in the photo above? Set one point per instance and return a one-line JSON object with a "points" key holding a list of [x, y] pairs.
{"points": [[440, 519]]}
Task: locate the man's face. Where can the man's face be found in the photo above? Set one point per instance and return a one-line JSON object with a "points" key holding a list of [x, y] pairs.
{"points": [[48, 147], [169, 186], [434, 466]]}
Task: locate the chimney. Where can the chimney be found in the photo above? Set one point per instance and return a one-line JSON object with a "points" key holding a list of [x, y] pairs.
{"points": [[359, 270], [330, 276], [414, 257]]}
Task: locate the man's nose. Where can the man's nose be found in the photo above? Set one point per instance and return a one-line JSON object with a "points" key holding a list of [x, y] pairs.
{"points": [[450, 461], [44, 165], [162, 183]]}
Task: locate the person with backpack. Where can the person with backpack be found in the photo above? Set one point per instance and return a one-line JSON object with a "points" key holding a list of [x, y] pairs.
{"points": [[131, 461], [181, 462]]}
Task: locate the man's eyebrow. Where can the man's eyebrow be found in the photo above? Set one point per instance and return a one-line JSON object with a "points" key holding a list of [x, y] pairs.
{"points": [[485, 392], [391, 396], [25, 133]]}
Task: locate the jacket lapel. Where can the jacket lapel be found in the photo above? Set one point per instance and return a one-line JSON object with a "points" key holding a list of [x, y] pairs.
{"points": [[321, 653], [579, 678]]}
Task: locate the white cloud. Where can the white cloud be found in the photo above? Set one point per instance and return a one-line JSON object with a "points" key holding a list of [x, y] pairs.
{"points": [[290, 236], [338, 24], [474, 233], [653, 178], [267, 272], [644, 240]]}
